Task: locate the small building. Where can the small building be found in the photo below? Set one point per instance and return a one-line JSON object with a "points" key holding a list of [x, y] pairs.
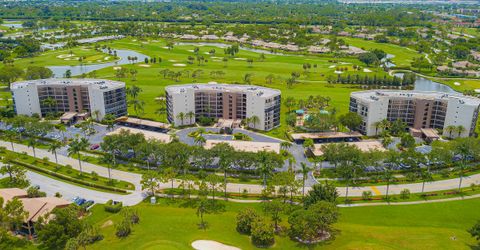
{"points": [[143, 124], [8, 194], [149, 135]]}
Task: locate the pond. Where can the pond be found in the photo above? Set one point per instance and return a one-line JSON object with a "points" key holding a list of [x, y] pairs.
{"points": [[12, 24], [424, 84], [59, 71]]}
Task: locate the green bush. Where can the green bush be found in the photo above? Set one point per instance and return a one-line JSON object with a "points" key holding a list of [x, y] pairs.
{"points": [[113, 208], [245, 219], [262, 233], [405, 194], [367, 195]]}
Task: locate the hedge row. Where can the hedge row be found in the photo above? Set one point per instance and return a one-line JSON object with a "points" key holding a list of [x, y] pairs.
{"points": [[68, 178], [113, 208]]}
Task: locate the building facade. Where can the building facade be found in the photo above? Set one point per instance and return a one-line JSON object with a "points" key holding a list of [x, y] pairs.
{"points": [[93, 96], [418, 109], [186, 103]]}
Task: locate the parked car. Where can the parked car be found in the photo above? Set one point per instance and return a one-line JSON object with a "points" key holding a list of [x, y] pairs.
{"points": [[94, 147]]}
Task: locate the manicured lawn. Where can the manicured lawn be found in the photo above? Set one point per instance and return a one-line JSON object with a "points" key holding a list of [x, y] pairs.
{"points": [[403, 56], [66, 57], [425, 226]]}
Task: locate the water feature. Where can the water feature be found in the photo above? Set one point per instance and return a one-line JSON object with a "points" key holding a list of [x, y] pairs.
{"points": [[12, 25], [59, 71], [424, 84]]}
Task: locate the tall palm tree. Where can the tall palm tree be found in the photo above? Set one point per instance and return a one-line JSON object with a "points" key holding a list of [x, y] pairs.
{"points": [[449, 129], [200, 140], [425, 176], [460, 129], [53, 147], [181, 116], [254, 120], [190, 115], [305, 169], [32, 143], [50, 103], [11, 136], [77, 146], [285, 145], [138, 105]]}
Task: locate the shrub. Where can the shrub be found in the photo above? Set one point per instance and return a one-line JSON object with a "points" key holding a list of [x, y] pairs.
{"points": [[245, 218], [113, 207], [473, 186], [34, 191], [262, 233], [94, 176], [367, 195], [123, 229], [405, 194]]}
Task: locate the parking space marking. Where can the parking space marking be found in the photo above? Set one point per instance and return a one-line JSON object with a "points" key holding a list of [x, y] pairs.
{"points": [[375, 190]]}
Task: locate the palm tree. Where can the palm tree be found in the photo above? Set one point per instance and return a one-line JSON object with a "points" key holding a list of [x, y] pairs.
{"points": [[460, 129], [11, 136], [32, 143], [62, 128], [285, 145], [254, 120], [76, 146], [181, 116], [449, 129], [305, 169], [50, 103], [53, 147], [190, 115], [200, 140], [426, 176], [138, 105]]}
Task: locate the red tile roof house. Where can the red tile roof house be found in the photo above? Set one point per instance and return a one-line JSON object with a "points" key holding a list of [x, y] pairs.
{"points": [[36, 207]]}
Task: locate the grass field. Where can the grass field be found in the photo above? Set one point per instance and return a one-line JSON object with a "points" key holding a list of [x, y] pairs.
{"points": [[403, 56], [66, 57], [434, 226], [281, 66]]}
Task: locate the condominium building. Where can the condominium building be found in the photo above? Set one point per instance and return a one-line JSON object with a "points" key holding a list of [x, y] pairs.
{"points": [[91, 96], [418, 109], [186, 103]]}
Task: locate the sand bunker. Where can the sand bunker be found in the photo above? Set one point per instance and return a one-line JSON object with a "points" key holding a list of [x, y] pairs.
{"points": [[106, 58], [240, 58], [165, 47], [145, 65], [338, 72], [117, 68], [190, 50], [344, 63], [211, 245], [367, 71], [457, 84], [171, 60], [477, 90], [179, 65], [333, 66], [64, 56]]}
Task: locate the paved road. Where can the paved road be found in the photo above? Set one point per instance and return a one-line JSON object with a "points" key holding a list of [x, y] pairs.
{"points": [[69, 191], [251, 188]]}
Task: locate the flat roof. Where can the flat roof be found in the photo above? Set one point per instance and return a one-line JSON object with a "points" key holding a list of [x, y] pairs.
{"points": [[147, 133], [364, 146], [430, 132], [375, 95], [247, 146], [143, 122], [9, 193], [212, 86], [101, 84], [325, 135], [68, 115]]}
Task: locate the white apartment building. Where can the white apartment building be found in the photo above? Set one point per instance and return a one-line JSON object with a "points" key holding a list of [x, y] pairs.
{"points": [[70, 95], [418, 109], [186, 103]]}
